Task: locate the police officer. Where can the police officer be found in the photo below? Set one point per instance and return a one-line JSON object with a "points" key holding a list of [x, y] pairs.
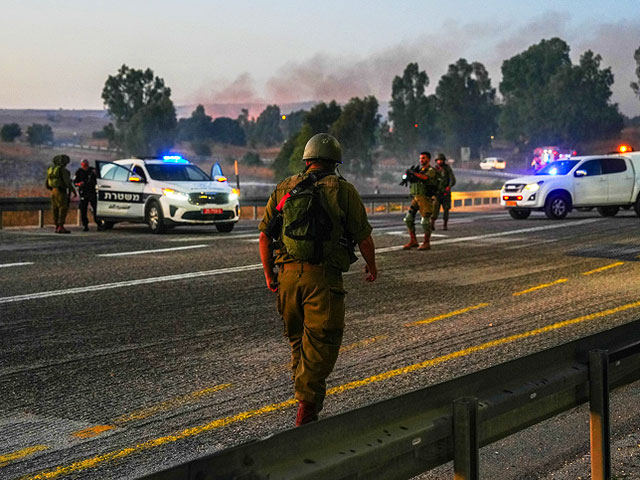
{"points": [[423, 188], [310, 294], [85, 179], [446, 181], [59, 182]]}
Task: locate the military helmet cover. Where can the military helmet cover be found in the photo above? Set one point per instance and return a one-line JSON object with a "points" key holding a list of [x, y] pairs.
{"points": [[441, 156], [323, 147]]}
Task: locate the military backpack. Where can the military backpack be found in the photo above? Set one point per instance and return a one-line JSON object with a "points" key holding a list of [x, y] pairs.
{"points": [[54, 179]]}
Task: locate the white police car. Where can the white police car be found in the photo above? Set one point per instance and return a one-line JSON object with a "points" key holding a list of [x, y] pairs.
{"points": [[164, 192]]}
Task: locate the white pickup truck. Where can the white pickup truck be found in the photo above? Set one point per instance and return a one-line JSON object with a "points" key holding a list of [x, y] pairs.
{"points": [[606, 182]]}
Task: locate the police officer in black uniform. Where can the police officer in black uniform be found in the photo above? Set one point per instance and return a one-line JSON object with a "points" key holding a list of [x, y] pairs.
{"points": [[85, 179]]}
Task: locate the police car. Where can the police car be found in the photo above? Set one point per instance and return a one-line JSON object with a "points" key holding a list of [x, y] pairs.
{"points": [[164, 192]]}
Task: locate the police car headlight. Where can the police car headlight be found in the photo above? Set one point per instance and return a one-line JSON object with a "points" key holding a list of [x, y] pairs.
{"points": [[233, 196], [533, 187], [174, 194]]}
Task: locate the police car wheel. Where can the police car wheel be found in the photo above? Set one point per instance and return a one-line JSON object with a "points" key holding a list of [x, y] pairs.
{"points": [[557, 206], [636, 206], [519, 213], [155, 219], [225, 227], [107, 225]]}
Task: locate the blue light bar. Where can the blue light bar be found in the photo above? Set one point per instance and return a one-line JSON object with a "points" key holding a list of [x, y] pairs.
{"points": [[174, 159]]}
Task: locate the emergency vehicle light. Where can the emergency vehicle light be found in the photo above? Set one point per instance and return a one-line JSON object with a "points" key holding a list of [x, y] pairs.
{"points": [[221, 179], [625, 149], [174, 159]]}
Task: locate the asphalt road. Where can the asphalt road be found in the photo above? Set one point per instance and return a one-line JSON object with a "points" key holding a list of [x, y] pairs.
{"points": [[123, 352]]}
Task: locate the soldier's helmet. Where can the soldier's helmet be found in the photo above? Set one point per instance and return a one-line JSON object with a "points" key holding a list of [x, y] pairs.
{"points": [[323, 147], [441, 156]]}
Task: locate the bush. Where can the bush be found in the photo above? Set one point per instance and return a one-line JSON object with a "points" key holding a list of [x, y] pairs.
{"points": [[251, 159], [201, 149]]}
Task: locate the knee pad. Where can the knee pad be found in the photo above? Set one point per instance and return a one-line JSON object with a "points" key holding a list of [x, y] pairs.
{"points": [[426, 224], [410, 219]]}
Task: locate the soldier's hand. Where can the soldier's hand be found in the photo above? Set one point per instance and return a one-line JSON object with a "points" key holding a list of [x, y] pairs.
{"points": [[272, 281], [447, 189], [372, 273]]}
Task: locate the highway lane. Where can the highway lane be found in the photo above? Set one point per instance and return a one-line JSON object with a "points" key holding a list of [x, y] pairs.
{"points": [[119, 381]]}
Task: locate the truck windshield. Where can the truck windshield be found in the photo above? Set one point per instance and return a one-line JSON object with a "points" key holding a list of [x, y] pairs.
{"points": [[561, 167], [177, 173]]}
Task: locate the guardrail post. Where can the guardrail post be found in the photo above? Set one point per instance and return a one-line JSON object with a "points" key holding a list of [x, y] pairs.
{"points": [[41, 218], [255, 212], [373, 208], [465, 439], [599, 414], [1, 220], [388, 207]]}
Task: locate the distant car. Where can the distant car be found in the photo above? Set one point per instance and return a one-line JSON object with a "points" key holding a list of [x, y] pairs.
{"points": [[493, 163], [606, 182], [164, 192]]}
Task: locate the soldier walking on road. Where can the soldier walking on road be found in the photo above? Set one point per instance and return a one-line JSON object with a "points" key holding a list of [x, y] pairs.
{"points": [[423, 188], [446, 181], [85, 179], [59, 182], [311, 223]]}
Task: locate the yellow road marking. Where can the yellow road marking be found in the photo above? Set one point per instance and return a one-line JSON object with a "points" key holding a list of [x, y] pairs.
{"points": [[242, 416], [602, 269], [362, 343], [544, 285], [447, 315], [25, 452], [174, 402], [92, 431]]}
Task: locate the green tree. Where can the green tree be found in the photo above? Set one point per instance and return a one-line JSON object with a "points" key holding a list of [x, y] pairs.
{"points": [[467, 112], [525, 88], [201, 148], [266, 130], [635, 86], [132, 97], [195, 128], [229, 131], [411, 112], [292, 123], [38, 134], [322, 116], [356, 131], [10, 131], [151, 131], [280, 165], [251, 159]]}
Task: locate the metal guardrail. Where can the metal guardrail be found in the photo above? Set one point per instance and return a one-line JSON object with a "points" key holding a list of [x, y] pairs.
{"points": [[404, 436], [375, 203]]}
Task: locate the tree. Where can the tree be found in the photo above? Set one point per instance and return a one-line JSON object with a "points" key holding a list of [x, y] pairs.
{"points": [[132, 98], [292, 122], [227, 130], [548, 100], [411, 112], [10, 131], [151, 131], [266, 130], [467, 112], [251, 159], [356, 130], [195, 128], [38, 134], [635, 86], [322, 116]]}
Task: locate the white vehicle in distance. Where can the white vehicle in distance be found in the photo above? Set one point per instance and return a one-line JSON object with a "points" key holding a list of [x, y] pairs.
{"points": [[493, 163], [164, 192], [606, 182]]}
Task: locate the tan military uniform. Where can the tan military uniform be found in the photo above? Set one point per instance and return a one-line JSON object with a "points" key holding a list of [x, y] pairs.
{"points": [[443, 198], [423, 192], [311, 297]]}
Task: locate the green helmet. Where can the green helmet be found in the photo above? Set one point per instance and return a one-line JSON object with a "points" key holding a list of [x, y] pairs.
{"points": [[323, 147]]}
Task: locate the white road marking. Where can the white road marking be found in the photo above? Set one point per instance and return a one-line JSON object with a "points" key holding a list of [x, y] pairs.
{"points": [[204, 238], [403, 233], [18, 264], [142, 252], [257, 266]]}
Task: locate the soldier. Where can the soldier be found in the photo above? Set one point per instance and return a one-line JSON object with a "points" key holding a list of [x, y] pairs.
{"points": [[423, 188], [312, 222], [446, 182], [59, 182], [85, 180]]}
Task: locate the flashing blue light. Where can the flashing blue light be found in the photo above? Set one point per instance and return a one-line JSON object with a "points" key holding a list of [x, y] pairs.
{"points": [[553, 171], [174, 159]]}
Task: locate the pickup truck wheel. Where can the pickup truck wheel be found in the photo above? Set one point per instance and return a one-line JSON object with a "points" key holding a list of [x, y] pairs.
{"points": [[155, 218], [636, 206], [556, 206], [608, 211], [519, 213]]}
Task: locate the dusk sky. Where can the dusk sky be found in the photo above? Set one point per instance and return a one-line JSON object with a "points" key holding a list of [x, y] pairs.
{"points": [[58, 54]]}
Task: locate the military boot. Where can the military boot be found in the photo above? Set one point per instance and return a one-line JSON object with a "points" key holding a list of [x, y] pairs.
{"points": [[433, 224], [307, 413], [444, 226], [426, 245], [413, 242]]}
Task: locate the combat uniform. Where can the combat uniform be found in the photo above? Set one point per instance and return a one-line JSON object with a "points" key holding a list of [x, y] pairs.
{"points": [[86, 181], [311, 296], [422, 192], [446, 178], [60, 186]]}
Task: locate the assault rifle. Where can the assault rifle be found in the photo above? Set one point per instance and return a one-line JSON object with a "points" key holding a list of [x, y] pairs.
{"points": [[409, 175]]}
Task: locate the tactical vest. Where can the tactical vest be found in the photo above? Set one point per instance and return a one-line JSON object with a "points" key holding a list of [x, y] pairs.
{"points": [[427, 187]]}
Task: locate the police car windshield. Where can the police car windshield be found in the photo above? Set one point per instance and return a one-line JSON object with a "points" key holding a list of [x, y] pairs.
{"points": [[177, 173], [561, 167]]}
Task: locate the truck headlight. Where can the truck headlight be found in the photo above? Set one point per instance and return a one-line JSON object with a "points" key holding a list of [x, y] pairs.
{"points": [[174, 194], [533, 187]]}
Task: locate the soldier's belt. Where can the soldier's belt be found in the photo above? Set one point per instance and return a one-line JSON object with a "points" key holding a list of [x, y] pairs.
{"points": [[306, 267]]}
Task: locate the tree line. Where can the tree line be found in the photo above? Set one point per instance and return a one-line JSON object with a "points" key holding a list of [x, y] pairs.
{"points": [[544, 99]]}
